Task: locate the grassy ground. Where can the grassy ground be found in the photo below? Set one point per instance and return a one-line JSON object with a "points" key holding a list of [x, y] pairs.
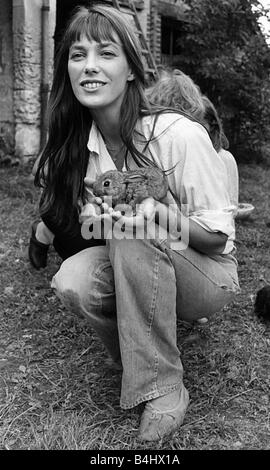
{"points": [[56, 391]]}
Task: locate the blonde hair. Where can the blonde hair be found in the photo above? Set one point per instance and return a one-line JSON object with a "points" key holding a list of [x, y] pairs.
{"points": [[175, 89]]}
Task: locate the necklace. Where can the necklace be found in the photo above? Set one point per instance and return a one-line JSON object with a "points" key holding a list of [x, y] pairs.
{"points": [[117, 153]]}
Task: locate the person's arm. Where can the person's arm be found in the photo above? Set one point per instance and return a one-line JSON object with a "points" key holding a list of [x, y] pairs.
{"points": [[199, 185], [206, 242], [199, 238]]}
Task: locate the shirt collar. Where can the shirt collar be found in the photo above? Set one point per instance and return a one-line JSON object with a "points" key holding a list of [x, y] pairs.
{"points": [[95, 139]]}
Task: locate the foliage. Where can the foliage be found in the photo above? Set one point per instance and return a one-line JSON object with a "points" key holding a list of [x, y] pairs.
{"points": [[223, 49]]}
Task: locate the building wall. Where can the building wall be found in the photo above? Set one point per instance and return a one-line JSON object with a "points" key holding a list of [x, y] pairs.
{"points": [[144, 18], [28, 60], [27, 29], [32, 77], [6, 79], [155, 32], [172, 10]]}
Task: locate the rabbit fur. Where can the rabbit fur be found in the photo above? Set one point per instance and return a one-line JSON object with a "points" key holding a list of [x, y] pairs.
{"points": [[133, 186]]}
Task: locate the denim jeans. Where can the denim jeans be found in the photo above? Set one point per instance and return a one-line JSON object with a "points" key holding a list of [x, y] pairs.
{"points": [[132, 292]]}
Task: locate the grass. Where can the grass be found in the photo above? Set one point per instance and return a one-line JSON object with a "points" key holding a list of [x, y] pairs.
{"points": [[56, 391]]}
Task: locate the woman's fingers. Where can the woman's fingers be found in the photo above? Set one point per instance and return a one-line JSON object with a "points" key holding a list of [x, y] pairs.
{"points": [[105, 207], [147, 208], [89, 182]]}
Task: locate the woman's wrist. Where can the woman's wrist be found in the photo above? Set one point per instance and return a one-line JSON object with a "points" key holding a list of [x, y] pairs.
{"points": [[169, 218]]}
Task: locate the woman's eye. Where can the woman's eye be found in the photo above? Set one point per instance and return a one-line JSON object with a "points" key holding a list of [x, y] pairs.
{"points": [[107, 53], [76, 56]]}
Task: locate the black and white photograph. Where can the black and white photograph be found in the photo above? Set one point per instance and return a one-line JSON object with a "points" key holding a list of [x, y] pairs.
{"points": [[134, 231]]}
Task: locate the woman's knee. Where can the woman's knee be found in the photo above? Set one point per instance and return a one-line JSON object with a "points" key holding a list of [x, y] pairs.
{"points": [[68, 277], [204, 285], [77, 272], [87, 279], [65, 285]]}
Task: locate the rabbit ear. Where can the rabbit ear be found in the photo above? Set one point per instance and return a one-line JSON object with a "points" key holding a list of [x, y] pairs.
{"points": [[134, 178]]}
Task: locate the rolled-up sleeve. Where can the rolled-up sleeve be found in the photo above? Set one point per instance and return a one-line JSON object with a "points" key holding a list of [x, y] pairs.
{"points": [[202, 186]]}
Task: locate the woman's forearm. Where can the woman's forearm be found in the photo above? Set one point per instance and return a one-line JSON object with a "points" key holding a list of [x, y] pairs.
{"points": [[204, 241], [199, 238]]}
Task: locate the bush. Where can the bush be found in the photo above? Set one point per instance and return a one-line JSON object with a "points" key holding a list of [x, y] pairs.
{"points": [[223, 49]]}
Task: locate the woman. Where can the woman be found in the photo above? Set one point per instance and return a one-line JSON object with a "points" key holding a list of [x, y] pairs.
{"points": [[132, 290]]}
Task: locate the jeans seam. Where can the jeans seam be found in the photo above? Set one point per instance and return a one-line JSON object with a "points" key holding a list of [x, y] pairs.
{"points": [[152, 313], [154, 296]]}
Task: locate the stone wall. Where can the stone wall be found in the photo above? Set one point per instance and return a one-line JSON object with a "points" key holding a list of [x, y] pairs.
{"points": [[26, 66], [155, 32], [6, 80], [27, 61], [144, 18]]}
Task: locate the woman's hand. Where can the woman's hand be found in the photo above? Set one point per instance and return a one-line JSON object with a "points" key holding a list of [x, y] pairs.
{"points": [[88, 182], [96, 207], [120, 218], [120, 221], [144, 210], [129, 223]]}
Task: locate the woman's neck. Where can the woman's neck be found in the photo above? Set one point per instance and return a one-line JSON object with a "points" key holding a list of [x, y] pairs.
{"points": [[109, 126]]}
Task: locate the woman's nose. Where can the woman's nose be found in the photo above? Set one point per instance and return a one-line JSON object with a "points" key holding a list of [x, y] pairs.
{"points": [[91, 65]]}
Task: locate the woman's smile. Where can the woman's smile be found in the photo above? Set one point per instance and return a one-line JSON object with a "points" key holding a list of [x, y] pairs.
{"points": [[92, 85]]}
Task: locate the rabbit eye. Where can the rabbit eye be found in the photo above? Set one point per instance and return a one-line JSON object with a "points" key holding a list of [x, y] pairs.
{"points": [[106, 183]]}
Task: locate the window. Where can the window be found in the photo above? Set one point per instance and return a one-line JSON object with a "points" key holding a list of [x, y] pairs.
{"points": [[170, 33]]}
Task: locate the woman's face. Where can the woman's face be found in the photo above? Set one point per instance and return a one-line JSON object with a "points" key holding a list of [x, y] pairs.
{"points": [[99, 73]]}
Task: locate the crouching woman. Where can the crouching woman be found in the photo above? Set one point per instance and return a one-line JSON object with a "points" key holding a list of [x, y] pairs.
{"points": [[133, 289]]}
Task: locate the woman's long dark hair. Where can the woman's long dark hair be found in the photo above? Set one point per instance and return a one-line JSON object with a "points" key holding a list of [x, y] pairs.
{"points": [[63, 163], [64, 160]]}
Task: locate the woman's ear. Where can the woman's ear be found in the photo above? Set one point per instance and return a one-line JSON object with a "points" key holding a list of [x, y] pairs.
{"points": [[130, 76]]}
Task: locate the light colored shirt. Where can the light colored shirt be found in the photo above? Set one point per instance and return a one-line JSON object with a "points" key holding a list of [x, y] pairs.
{"points": [[232, 175], [199, 179]]}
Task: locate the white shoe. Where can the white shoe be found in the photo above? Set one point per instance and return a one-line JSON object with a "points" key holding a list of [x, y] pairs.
{"points": [[157, 424]]}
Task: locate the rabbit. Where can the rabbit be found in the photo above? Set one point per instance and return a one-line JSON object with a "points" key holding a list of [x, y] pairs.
{"points": [[262, 303], [133, 186]]}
